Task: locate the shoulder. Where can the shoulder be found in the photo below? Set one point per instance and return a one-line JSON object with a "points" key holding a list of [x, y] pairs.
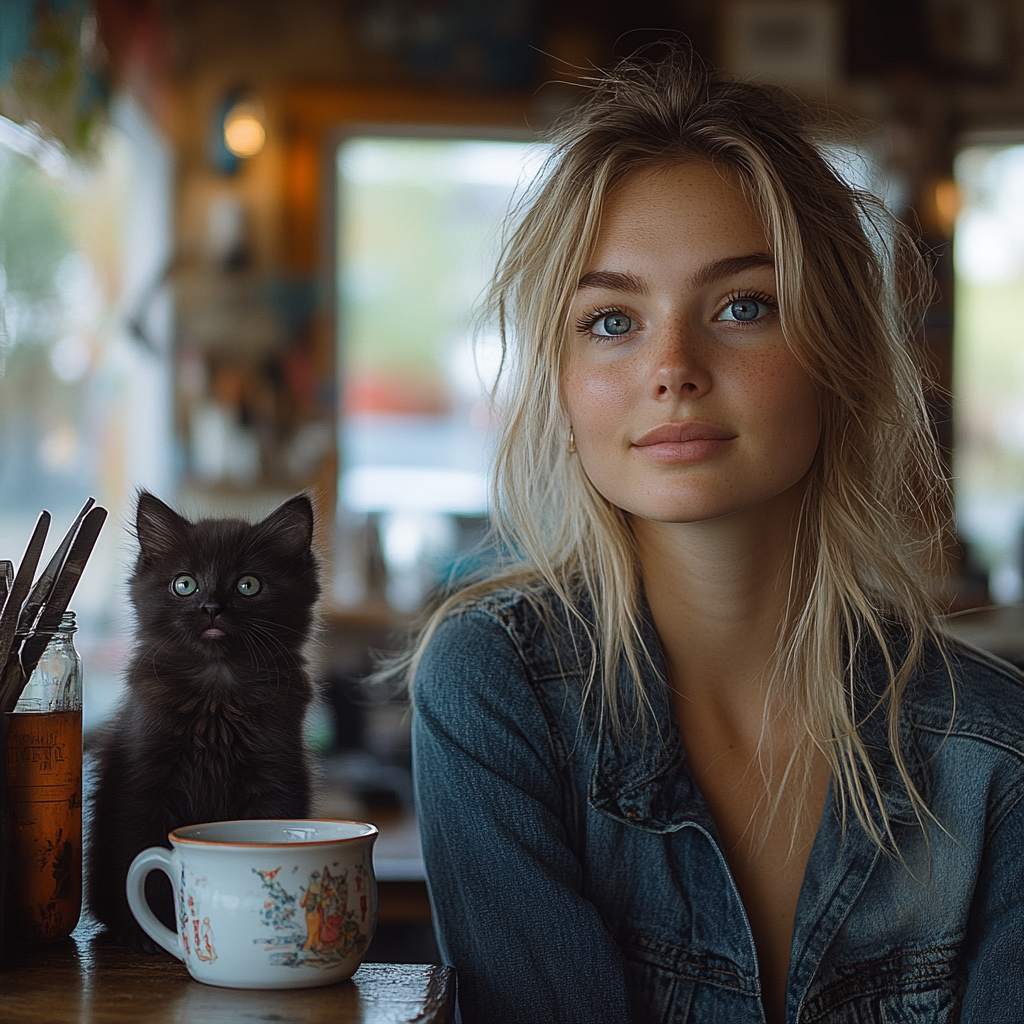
{"points": [[527, 629], [493, 674], [965, 692], [966, 710]]}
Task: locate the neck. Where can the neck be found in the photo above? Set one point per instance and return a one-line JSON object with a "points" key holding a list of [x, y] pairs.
{"points": [[717, 591]]}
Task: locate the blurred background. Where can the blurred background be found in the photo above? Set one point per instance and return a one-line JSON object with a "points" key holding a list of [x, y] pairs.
{"points": [[242, 247]]}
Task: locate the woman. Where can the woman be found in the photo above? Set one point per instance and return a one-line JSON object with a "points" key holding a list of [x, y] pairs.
{"points": [[700, 751]]}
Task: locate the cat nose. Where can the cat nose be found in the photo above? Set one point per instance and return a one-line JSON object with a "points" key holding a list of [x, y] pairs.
{"points": [[212, 607]]}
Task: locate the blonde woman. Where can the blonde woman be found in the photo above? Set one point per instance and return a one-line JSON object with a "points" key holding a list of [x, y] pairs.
{"points": [[700, 751]]}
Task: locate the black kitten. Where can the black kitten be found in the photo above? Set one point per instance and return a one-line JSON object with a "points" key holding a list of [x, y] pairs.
{"points": [[211, 726]]}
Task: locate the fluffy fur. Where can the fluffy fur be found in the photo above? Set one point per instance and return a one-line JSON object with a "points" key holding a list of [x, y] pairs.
{"points": [[211, 725]]}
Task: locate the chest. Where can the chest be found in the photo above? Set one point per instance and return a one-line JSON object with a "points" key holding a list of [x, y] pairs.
{"points": [[863, 937], [766, 833], [206, 746]]}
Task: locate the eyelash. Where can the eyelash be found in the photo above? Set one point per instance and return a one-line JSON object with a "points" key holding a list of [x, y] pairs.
{"points": [[769, 300], [585, 324]]}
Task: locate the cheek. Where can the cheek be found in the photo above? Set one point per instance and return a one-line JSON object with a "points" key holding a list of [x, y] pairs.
{"points": [[597, 397], [802, 407], [788, 409]]}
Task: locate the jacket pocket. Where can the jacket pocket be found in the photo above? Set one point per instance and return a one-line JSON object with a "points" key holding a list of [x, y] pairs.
{"points": [[672, 985], [941, 1006], [656, 995], [911, 988]]}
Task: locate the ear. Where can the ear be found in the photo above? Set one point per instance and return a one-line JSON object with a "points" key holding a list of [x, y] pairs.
{"points": [[158, 527], [291, 525]]}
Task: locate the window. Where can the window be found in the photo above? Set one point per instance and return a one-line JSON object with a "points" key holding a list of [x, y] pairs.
{"points": [[989, 363], [419, 226], [84, 397]]}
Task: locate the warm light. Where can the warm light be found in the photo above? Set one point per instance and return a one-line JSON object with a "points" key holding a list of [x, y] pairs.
{"points": [[947, 205], [244, 134]]}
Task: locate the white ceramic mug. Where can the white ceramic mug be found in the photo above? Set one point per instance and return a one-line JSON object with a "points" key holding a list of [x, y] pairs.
{"points": [[264, 903]]}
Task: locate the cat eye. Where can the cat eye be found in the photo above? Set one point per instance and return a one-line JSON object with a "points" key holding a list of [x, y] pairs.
{"points": [[249, 585], [184, 585]]}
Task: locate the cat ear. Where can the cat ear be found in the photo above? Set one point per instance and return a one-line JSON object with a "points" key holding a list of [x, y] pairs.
{"points": [[158, 527], [291, 524]]}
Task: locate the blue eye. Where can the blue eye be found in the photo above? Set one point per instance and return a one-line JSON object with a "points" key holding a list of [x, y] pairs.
{"points": [[184, 585], [745, 310], [613, 325], [249, 585]]}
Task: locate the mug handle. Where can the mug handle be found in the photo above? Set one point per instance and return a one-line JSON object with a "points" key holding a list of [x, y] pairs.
{"points": [[156, 858]]}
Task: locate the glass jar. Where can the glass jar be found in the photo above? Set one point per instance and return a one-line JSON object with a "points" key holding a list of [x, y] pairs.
{"points": [[44, 780]]}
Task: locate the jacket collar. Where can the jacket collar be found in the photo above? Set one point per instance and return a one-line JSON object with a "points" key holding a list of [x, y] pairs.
{"points": [[641, 776]]}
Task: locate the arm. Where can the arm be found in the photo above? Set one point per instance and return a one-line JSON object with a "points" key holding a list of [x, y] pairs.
{"points": [[504, 882], [994, 948]]}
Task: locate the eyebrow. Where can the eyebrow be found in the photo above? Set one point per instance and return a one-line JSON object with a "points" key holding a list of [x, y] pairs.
{"points": [[613, 281], [715, 271], [617, 281]]}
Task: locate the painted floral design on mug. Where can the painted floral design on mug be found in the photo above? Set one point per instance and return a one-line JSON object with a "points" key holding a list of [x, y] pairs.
{"points": [[196, 934], [333, 921]]}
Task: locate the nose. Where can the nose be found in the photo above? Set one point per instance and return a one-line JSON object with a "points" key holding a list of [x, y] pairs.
{"points": [[679, 367], [212, 608]]}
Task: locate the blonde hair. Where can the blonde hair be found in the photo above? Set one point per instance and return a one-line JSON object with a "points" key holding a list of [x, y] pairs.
{"points": [[852, 291]]}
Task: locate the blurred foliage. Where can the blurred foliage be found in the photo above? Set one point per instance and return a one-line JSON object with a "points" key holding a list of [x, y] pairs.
{"points": [[52, 85]]}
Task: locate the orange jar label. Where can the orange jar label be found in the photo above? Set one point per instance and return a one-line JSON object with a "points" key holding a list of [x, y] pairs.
{"points": [[44, 780]]}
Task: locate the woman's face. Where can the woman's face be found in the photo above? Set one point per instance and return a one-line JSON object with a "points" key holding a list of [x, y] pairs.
{"points": [[685, 401]]}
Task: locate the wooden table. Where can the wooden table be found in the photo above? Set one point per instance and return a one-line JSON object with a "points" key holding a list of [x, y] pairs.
{"points": [[89, 982]]}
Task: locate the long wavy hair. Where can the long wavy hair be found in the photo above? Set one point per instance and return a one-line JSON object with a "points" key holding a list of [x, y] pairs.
{"points": [[852, 293]]}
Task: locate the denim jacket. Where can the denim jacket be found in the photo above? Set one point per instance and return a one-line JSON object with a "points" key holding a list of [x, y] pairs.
{"points": [[579, 879]]}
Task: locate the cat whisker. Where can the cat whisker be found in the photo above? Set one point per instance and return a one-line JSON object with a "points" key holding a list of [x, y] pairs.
{"points": [[280, 627], [258, 654], [155, 650], [284, 652], [276, 655], [309, 641]]}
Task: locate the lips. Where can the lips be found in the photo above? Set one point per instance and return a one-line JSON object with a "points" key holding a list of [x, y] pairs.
{"points": [[213, 633], [680, 433], [687, 441]]}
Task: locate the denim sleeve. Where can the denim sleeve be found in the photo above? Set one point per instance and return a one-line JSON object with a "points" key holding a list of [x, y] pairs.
{"points": [[994, 949], [504, 883]]}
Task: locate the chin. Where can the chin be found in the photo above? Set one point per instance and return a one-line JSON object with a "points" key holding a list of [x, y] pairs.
{"points": [[675, 511], [715, 500], [209, 647]]}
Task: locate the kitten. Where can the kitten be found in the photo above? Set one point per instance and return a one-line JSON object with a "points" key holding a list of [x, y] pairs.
{"points": [[211, 726]]}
